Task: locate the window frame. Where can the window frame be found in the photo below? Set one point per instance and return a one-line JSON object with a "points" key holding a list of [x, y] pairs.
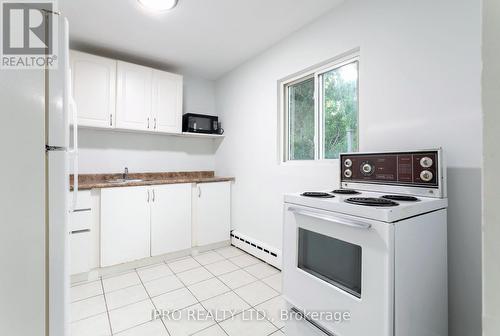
{"points": [[316, 72]]}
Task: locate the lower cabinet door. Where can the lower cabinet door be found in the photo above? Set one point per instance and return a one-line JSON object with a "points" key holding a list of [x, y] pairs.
{"points": [[212, 212], [125, 224], [170, 218], [79, 243]]}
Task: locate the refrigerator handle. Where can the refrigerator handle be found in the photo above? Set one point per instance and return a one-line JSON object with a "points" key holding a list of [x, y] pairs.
{"points": [[74, 151]]}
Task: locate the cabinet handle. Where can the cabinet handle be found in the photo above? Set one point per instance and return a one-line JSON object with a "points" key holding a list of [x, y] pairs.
{"points": [[148, 122], [155, 124], [154, 195], [80, 231], [110, 120], [82, 210], [148, 195], [199, 192]]}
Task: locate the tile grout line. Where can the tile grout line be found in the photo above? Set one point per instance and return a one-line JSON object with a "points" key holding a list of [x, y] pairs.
{"points": [[216, 322], [106, 304], [230, 290], [251, 306], [216, 277], [151, 300], [199, 302]]}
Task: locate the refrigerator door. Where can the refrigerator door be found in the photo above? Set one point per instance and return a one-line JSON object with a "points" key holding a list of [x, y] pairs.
{"points": [[58, 214], [57, 116], [57, 125], [22, 203]]}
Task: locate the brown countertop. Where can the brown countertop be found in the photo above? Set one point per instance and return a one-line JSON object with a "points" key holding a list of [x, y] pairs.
{"points": [[97, 181]]}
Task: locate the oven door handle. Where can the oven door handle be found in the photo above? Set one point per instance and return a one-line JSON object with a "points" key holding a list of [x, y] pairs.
{"points": [[317, 327], [329, 218]]}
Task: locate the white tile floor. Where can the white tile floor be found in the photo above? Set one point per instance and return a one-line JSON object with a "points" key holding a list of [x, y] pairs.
{"points": [[226, 279]]}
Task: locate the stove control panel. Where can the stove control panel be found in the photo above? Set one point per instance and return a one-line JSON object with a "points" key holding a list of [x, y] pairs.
{"points": [[401, 168]]}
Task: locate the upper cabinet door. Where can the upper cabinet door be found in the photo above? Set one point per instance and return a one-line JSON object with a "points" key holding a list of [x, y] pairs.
{"points": [[94, 89], [133, 99], [167, 102]]}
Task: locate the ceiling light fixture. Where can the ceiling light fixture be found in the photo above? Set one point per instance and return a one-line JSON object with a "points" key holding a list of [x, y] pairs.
{"points": [[159, 5]]}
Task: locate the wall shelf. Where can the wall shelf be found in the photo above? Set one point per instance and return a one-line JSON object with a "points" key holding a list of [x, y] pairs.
{"points": [[202, 135], [182, 135]]}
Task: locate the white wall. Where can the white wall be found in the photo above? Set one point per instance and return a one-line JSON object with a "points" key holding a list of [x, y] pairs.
{"points": [[491, 230], [199, 96], [104, 151], [419, 88]]}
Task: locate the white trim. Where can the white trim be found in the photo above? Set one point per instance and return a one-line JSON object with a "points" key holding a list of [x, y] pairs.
{"points": [[286, 114], [320, 113], [316, 72]]}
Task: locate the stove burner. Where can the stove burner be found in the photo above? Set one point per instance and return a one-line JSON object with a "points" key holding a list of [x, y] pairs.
{"points": [[371, 201], [317, 194], [400, 198], [346, 192]]}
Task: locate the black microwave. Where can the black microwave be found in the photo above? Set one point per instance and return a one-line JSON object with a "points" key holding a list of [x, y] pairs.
{"points": [[200, 123]]}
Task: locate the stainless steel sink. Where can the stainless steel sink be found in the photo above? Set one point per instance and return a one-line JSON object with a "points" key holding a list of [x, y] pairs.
{"points": [[122, 181]]}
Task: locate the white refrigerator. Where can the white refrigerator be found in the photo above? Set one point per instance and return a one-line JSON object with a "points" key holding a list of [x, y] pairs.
{"points": [[35, 114]]}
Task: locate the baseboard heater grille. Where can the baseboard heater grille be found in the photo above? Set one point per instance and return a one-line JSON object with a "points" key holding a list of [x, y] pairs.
{"points": [[256, 248]]}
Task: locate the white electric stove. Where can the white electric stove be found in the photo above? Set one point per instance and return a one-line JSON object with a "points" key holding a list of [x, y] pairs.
{"points": [[371, 257]]}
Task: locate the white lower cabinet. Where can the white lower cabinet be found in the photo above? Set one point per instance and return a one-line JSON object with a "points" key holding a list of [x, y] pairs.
{"points": [[80, 242], [170, 218], [125, 224], [211, 213], [80, 252], [139, 222]]}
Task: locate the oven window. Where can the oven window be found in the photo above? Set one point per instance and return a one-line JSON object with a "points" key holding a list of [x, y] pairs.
{"points": [[332, 260]]}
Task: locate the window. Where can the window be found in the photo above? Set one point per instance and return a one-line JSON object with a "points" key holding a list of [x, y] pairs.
{"points": [[301, 120], [320, 111]]}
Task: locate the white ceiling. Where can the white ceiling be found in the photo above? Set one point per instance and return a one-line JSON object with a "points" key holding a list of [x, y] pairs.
{"points": [[206, 38]]}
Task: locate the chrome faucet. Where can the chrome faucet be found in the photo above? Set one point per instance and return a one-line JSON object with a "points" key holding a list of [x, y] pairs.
{"points": [[125, 173]]}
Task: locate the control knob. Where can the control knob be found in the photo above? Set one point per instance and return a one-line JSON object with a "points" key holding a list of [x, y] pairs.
{"points": [[426, 175], [426, 162], [348, 163], [367, 169], [347, 173]]}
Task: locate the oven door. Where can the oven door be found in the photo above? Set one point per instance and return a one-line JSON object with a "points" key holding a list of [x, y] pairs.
{"points": [[339, 264]]}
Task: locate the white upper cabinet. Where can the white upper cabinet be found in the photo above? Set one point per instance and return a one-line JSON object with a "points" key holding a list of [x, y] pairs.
{"points": [[167, 102], [116, 94], [94, 89], [133, 98]]}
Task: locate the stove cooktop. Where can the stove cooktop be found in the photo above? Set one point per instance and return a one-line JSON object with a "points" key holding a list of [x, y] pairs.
{"points": [[403, 198], [317, 194], [346, 192], [371, 201], [386, 210]]}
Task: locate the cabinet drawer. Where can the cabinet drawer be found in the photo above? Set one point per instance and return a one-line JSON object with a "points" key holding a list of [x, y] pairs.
{"points": [[84, 200], [80, 252], [80, 220]]}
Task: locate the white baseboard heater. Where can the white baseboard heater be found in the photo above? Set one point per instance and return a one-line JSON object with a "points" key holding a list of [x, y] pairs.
{"points": [[256, 248]]}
